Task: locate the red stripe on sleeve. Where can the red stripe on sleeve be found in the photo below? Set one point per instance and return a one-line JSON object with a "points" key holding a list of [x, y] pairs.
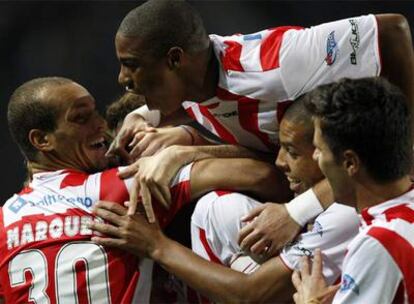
{"points": [[222, 132], [26, 190], [249, 120], [270, 47], [401, 251], [402, 212], [73, 179], [206, 246], [231, 58], [248, 109], [112, 187]]}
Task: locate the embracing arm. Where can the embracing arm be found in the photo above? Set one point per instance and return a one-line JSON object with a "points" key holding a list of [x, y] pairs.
{"points": [[257, 178], [222, 284], [134, 234]]}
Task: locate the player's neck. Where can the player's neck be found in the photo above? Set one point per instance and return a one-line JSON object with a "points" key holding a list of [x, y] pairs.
{"points": [[372, 193], [49, 166], [205, 86]]}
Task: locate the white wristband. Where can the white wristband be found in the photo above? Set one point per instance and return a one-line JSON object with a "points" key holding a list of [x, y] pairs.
{"points": [[304, 207], [151, 116]]}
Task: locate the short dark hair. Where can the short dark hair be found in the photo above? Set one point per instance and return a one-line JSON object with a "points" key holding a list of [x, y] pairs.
{"points": [[369, 116], [28, 110], [116, 111], [163, 24], [297, 113]]}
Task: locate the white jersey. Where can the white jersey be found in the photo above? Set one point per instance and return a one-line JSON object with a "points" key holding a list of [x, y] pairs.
{"points": [[216, 224], [45, 251], [379, 265], [261, 73], [332, 231]]}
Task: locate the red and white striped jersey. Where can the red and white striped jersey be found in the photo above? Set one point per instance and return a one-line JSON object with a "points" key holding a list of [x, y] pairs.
{"points": [[261, 73], [46, 255], [379, 265], [216, 223]]}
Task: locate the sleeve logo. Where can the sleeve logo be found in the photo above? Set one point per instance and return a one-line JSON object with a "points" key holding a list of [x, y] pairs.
{"points": [[348, 283], [354, 41], [331, 49]]}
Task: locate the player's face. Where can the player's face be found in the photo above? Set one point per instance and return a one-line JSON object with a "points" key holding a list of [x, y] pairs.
{"points": [[342, 185], [295, 157], [153, 78], [79, 139]]}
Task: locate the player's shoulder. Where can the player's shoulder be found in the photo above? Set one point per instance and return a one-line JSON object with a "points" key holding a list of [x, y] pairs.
{"points": [[339, 214]]}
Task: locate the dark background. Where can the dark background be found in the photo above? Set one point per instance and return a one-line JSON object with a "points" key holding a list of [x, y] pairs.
{"points": [[75, 40]]}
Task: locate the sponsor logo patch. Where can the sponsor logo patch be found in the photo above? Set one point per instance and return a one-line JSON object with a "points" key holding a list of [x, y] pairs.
{"points": [[17, 205], [354, 41], [226, 115], [331, 49], [349, 284], [317, 227], [252, 37]]}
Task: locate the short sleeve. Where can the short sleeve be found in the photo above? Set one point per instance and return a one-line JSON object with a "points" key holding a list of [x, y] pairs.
{"points": [[332, 232], [328, 52], [369, 276]]}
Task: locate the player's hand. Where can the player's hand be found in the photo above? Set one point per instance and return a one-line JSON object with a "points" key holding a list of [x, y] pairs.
{"points": [[127, 232], [269, 228], [152, 178], [310, 284], [132, 124], [148, 143]]}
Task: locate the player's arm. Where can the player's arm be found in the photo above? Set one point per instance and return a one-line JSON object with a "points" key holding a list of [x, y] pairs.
{"points": [[154, 179], [276, 225], [141, 120], [134, 234], [270, 282], [397, 53], [256, 178]]}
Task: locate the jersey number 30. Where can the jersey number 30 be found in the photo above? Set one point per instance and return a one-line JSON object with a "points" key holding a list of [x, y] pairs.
{"points": [[92, 255]]}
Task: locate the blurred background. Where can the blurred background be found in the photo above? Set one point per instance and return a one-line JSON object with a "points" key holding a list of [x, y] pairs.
{"points": [[75, 40]]}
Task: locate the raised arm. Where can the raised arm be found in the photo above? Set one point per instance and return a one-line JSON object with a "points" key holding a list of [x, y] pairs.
{"points": [[397, 54]]}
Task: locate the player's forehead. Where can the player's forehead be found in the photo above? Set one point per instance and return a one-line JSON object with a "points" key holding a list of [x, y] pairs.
{"points": [[69, 97], [128, 46], [293, 133]]}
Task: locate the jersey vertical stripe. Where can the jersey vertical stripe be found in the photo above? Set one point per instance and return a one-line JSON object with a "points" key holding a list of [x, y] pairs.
{"points": [[401, 251]]}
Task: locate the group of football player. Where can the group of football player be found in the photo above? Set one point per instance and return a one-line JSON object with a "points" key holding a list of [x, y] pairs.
{"points": [[292, 147]]}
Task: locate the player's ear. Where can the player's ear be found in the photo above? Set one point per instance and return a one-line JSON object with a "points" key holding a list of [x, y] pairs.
{"points": [[41, 140], [175, 57], [351, 162]]}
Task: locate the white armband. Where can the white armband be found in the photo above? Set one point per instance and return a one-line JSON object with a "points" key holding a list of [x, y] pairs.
{"points": [[151, 116], [304, 207]]}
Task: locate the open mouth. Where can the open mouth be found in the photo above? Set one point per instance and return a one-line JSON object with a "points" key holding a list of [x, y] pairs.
{"points": [[294, 184], [100, 143]]}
